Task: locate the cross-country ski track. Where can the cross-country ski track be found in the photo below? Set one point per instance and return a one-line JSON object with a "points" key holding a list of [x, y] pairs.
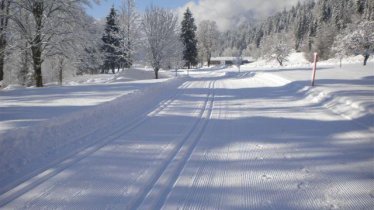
{"points": [[221, 140]]}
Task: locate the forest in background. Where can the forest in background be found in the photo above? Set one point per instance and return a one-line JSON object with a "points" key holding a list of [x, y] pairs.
{"points": [[45, 41], [310, 26]]}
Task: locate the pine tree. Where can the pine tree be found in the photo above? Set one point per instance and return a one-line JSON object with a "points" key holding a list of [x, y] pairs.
{"points": [[188, 37], [112, 41]]}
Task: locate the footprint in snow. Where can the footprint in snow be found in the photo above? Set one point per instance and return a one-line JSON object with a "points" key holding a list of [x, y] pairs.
{"points": [[266, 177], [259, 146], [302, 185], [306, 170]]}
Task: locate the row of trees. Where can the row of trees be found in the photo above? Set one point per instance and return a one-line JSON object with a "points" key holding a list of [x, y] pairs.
{"points": [[41, 40], [312, 26], [155, 36], [165, 43]]}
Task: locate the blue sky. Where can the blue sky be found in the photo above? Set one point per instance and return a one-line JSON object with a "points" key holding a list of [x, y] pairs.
{"points": [[102, 10]]}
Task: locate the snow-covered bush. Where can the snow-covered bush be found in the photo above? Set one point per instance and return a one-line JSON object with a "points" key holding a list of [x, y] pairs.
{"points": [[277, 47], [359, 40]]}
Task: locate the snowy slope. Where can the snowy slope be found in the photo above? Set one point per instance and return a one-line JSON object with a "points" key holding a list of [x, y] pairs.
{"points": [[259, 139]]}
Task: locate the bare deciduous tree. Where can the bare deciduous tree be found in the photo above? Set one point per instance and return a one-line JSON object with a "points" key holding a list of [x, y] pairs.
{"points": [[50, 19], [160, 28], [207, 38], [361, 40], [277, 47]]}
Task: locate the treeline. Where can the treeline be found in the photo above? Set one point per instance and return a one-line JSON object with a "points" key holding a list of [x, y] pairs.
{"points": [[46, 40], [311, 26]]}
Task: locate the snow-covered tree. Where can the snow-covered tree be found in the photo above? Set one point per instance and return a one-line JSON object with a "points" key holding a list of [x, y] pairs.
{"points": [[130, 30], [112, 43], [44, 26], [4, 20], [339, 48], [23, 73], [323, 42], [238, 59], [160, 28], [278, 48], [175, 60], [188, 36], [90, 58], [361, 40], [208, 37]]}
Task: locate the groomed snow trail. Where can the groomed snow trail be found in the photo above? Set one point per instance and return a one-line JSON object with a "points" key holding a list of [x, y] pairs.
{"points": [[223, 141]]}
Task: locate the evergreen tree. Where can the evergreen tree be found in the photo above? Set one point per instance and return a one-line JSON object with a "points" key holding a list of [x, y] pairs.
{"points": [[111, 48], [188, 37]]}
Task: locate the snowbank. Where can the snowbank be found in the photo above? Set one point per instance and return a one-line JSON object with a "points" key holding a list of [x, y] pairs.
{"points": [[137, 74], [294, 59], [34, 147], [346, 91], [126, 75]]}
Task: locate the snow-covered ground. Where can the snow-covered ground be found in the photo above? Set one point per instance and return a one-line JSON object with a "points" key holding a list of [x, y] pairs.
{"points": [[219, 139], [22, 107]]}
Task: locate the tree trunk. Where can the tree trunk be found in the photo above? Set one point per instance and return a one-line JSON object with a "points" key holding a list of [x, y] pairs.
{"points": [[340, 63], [113, 68], [36, 57], [4, 7], [208, 59], [156, 72], [280, 61], [2, 58], [36, 45], [60, 70], [366, 58]]}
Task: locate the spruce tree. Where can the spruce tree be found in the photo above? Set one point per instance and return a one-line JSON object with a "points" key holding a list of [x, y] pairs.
{"points": [[111, 39], [189, 41]]}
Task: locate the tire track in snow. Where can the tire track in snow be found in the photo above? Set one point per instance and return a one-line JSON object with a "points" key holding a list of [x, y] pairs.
{"points": [[65, 162], [155, 193]]}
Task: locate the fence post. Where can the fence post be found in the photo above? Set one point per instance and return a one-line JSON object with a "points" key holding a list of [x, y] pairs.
{"points": [[314, 68]]}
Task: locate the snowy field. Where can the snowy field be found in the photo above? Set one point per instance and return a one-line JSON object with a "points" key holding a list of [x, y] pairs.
{"points": [[22, 107], [218, 139]]}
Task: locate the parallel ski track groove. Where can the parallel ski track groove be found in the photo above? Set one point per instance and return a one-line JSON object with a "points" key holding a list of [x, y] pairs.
{"points": [[157, 203], [61, 164]]}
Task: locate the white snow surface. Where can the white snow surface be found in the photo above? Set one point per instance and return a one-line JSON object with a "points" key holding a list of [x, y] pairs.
{"points": [[218, 139], [22, 107]]}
